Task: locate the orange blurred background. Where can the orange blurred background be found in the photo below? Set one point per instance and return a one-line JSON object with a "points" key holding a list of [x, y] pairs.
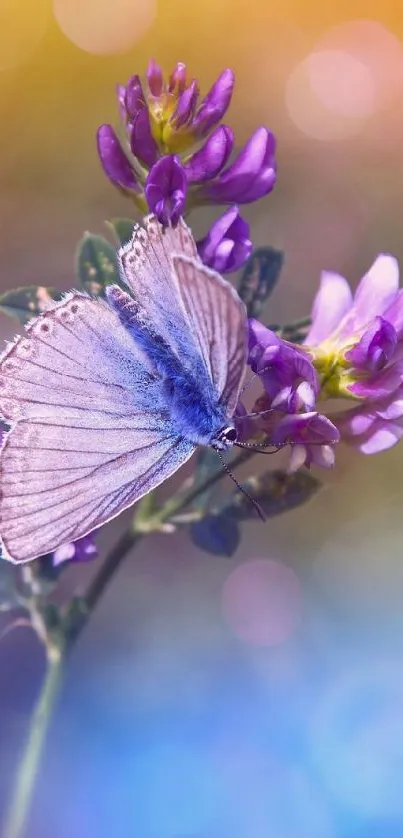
{"points": [[327, 79]]}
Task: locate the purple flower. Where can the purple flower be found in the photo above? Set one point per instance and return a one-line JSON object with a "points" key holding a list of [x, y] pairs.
{"points": [[82, 550], [165, 119], [250, 176], [286, 413], [287, 374], [165, 190], [356, 345], [227, 245]]}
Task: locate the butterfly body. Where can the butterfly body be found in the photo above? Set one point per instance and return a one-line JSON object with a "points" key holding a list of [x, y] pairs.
{"points": [[106, 398], [190, 397]]}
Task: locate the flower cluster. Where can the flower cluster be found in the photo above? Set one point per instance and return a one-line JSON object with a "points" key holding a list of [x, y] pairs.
{"points": [[353, 351], [175, 156], [286, 413]]}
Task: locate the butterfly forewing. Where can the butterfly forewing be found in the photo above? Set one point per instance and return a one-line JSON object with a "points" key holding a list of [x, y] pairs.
{"points": [[89, 434]]}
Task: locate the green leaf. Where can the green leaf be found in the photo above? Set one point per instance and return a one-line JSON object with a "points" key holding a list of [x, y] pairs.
{"points": [[259, 277], [295, 332], [96, 264], [217, 534], [28, 302], [122, 229], [275, 491]]}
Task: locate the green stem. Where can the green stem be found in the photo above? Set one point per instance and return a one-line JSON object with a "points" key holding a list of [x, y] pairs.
{"points": [[16, 818]]}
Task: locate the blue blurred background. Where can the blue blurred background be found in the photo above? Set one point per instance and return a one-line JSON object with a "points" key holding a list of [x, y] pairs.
{"points": [[262, 696]]}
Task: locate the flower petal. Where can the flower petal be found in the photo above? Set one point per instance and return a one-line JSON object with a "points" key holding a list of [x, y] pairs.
{"points": [[375, 348], [134, 97], [377, 289], [142, 142], [186, 106], [331, 303], [115, 163], [380, 385], [211, 157], [382, 436], [394, 313], [214, 104], [155, 78]]}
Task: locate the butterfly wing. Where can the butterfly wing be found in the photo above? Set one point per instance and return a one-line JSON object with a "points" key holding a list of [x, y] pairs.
{"points": [[199, 314], [217, 318], [89, 435]]}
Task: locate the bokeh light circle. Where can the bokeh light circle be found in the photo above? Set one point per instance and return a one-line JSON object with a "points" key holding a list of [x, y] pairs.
{"points": [[22, 27], [329, 95], [376, 47], [342, 83], [104, 26], [261, 602]]}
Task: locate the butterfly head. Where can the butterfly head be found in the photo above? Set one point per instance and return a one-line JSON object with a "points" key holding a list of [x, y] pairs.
{"points": [[225, 438]]}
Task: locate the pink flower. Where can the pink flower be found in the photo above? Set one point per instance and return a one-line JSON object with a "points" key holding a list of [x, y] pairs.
{"points": [[356, 346]]}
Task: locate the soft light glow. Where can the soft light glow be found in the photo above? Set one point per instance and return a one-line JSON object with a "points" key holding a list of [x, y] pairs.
{"points": [[357, 740], [22, 27], [329, 94], [342, 83], [106, 27], [376, 47], [261, 602]]}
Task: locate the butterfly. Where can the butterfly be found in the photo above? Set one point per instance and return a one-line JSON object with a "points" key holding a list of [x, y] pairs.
{"points": [[106, 398]]}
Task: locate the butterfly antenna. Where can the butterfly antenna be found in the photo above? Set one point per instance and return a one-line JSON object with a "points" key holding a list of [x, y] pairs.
{"points": [[260, 446], [252, 500]]}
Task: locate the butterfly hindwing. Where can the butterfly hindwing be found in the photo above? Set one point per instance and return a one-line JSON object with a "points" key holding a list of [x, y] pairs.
{"points": [[89, 434], [199, 314]]}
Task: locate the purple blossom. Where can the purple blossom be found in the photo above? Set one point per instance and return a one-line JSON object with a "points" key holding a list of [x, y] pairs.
{"points": [[165, 119], [286, 411], [356, 345], [82, 550], [227, 245], [287, 374], [165, 190]]}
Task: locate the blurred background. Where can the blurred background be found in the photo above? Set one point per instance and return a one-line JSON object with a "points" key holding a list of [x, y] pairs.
{"points": [[262, 696]]}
